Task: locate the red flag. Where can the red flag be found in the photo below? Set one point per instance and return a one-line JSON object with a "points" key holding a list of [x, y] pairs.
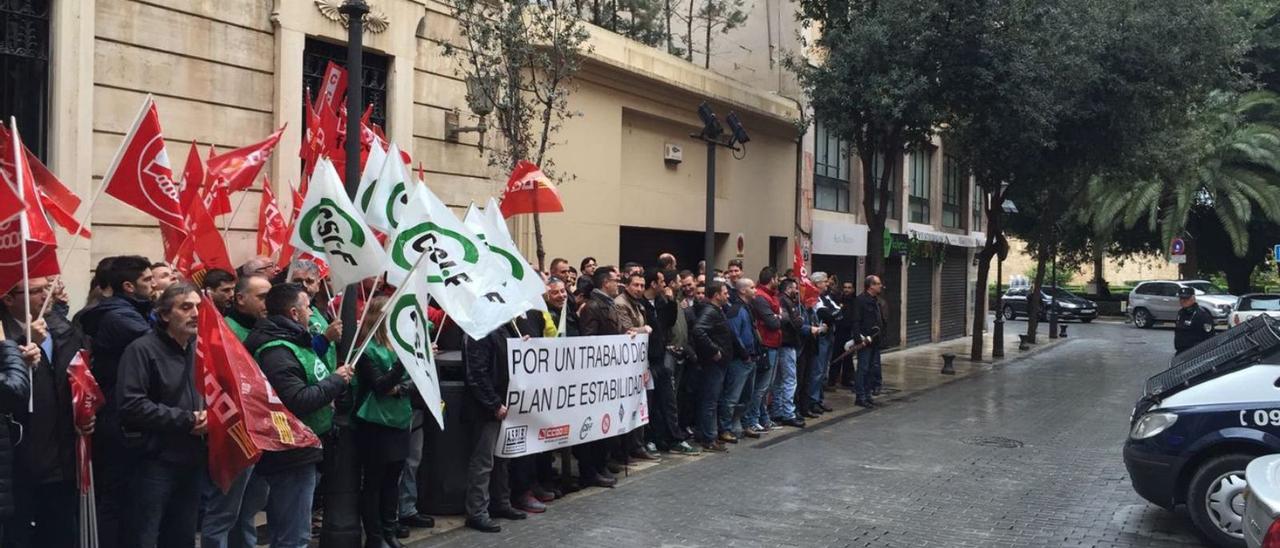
{"points": [[10, 204], [240, 167], [203, 240], [63, 218], [38, 228], [42, 258], [58, 201], [172, 238], [192, 176], [527, 185], [86, 400], [140, 174], [808, 292], [333, 88], [216, 198], [245, 415], [272, 231]]}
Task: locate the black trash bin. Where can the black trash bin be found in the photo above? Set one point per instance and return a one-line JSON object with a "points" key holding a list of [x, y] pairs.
{"points": [[442, 476]]}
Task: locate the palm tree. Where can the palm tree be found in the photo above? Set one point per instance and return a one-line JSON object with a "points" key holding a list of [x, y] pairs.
{"points": [[1228, 164]]}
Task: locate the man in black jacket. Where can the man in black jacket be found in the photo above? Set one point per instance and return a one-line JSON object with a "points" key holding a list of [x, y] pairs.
{"points": [[488, 488], [842, 371], [598, 317], [783, 406], [45, 464], [15, 388], [113, 323], [284, 482], [869, 325], [162, 414], [661, 314], [716, 346]]}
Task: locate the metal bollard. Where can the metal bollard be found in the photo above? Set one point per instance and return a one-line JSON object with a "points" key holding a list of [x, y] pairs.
{"points": [[1062, 333], [948, 364], [1022, 342]]}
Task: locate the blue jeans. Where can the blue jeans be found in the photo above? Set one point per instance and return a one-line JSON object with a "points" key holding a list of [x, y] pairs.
{"points": [[757, 412], [735, 378], [784, 385], [287, 497], [708, 398], [866, 378], [820, 368], [166, 503], [221, 511]]}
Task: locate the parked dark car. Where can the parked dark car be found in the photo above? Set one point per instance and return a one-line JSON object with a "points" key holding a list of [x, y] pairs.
{"points": [[1013, 304]]}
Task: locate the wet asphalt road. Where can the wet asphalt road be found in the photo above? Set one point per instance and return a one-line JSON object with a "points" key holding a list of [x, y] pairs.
{"points": [[1028, 454]]}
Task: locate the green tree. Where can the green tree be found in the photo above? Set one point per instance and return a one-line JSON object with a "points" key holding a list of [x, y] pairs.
{"points": [[520, 59]]}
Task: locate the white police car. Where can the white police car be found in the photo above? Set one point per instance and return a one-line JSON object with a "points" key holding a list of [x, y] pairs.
{"points": [[1200, 423]]}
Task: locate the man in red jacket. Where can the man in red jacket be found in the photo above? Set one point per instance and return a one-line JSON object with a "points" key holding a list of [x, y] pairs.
{"points": [[764, 309]]}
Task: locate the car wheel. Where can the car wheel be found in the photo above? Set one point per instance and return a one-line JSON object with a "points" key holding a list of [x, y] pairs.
{"points": [[1142, 319], [1086, 320], [1009, 313], [1215, 500]]}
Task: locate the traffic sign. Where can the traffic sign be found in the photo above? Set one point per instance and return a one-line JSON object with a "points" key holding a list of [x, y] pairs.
{"points": [[1275, 254], [1177, 247]]}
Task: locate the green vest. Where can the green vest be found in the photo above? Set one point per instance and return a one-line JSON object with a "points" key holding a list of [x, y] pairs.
{"points": [[321, 420], [389, 411], [317, 325], [241, 331]]}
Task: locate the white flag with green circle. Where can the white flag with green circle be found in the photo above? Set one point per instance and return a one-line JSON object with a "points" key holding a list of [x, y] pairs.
{"points": [[330, 227], [520, 281], [372, 169], [386, 197], [407, 327]]}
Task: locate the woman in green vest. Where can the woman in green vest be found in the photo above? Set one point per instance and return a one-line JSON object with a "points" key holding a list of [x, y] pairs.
{"points": [[383, 420]]}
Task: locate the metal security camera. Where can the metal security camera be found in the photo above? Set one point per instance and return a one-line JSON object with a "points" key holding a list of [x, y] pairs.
{"points": [[739, 133], [710, 125]]}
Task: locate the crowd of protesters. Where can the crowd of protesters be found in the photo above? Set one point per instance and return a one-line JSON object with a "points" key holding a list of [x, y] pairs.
{"points": [[730, 357]]}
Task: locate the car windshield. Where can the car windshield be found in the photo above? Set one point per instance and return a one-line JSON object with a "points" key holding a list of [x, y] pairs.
{"points": [[1057, 292], [1268, 303], [1206, 288]]}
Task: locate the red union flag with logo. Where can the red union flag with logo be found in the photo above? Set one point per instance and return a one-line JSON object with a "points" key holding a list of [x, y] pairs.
{"points": [[86, 400], [245, 415], [241, 166], [140, 175], [809, 293], [529, 191], [272, 232]]}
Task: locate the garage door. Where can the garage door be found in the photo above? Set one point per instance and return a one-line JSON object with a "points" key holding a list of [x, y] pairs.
{"points": [[892, 300], [920, 302], [955, 289]]}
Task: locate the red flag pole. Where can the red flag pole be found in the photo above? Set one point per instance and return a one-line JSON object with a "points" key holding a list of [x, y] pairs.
{"points": [[226, 228], [23, 230]]}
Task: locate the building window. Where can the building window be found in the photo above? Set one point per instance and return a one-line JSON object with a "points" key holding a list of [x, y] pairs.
{"points": [[952, 187], [877, 169], [316, 56], [24, 69], [830, 171], [921, 166]]}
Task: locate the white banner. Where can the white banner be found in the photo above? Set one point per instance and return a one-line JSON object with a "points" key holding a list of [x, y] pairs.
{"points": [[570, 390]]}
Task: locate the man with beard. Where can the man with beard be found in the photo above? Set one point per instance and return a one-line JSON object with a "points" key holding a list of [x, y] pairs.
{"points": [[599, 317], [220, 286], [162, 414], [783, 407]]}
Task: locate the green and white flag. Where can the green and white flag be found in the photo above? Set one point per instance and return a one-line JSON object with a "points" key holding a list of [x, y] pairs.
{"points": [[458, 273], [407, 327], [372, 168], [385, 198], [520, 282], [330, 227]]}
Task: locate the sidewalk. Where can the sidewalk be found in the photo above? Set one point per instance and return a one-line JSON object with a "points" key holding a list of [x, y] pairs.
{"points": [[907, 372]]}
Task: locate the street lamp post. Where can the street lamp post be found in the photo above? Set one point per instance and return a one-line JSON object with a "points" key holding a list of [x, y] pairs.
{"points": [[712, 134], [341, 526], [1053, 305], [1002, 251]]}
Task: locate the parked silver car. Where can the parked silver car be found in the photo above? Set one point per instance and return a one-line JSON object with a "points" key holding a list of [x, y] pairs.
{"points": [[1157, 301], [1262, 502]]}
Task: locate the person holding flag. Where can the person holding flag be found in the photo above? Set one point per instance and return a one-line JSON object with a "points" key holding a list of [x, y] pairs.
{"points": [[45, 463], [383, 417], [163, 416], [284, 482]]}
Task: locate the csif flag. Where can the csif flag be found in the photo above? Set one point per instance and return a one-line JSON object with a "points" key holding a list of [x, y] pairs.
{"points": [[459, 276], [519, 281], [529, 191], [245, 415], [240, 167], [272, 232], [384, 198], [330, 227], [140, 175], [409, 331]]}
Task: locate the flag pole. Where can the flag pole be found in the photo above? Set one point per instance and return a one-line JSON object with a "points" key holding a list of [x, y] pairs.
{"points": [[387, 309], [24, 232], [226, 228], [364, 312]]}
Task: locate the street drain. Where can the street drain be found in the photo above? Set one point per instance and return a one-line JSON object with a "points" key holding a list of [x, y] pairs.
{"points": [[994, 441]]}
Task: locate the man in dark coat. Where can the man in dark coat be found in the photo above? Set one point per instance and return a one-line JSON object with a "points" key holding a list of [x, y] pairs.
{"points": [[599, 317], [869, 326], [164, 421], [15, 389], [716, 347], [1194, 325], [307, 388], [112, 324], [45, 466], [488, 488]]}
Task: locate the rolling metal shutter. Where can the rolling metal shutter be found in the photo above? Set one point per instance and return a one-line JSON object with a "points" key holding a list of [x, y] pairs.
{"points": [[955, 288], [920, 302], [892, 300]]}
